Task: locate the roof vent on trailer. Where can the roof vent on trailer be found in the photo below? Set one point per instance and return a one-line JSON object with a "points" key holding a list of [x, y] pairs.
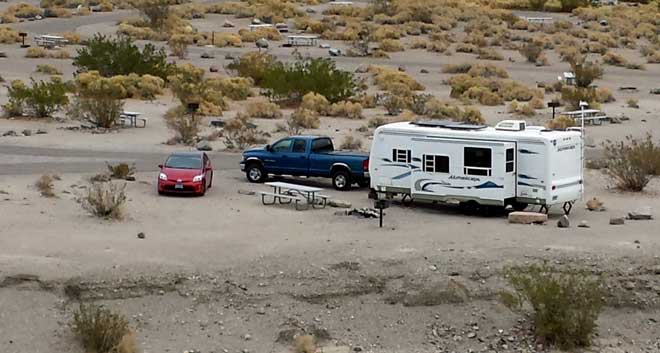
{"points": [[511, 125], [448, 124]]}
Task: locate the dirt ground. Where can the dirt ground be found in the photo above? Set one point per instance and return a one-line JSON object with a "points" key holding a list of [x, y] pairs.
{"points": [[224, 273]]}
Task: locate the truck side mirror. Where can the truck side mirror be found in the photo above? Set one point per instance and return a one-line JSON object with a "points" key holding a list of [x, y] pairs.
{"points": [[269, 148]]}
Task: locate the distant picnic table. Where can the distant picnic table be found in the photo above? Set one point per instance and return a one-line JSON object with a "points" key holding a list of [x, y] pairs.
{"points": [[132, 118], [303, 196]]}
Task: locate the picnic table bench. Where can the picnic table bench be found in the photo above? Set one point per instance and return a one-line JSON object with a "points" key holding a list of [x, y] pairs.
{"points": [[303, 196], [132, 119]]}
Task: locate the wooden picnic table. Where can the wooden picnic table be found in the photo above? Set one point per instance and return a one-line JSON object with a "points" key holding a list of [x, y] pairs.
{"points": [[285, 193]]}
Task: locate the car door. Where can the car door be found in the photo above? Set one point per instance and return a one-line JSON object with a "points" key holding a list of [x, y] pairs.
{"points": [[276, 162]]}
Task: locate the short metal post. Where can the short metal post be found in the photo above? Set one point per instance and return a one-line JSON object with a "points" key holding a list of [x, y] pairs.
{"points": [[381, 218]]}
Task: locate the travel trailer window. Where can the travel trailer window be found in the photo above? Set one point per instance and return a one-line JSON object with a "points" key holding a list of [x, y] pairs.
{"points": [[509, 160], [477, 161], [322, 145], [436, 164], [402, 156]]}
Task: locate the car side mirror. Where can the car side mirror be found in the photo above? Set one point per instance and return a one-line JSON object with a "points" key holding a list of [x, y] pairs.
{"points": [[160, 166], [269, 148]]}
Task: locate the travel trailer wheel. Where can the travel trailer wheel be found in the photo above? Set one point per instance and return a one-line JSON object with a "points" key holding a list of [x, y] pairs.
{"points": [[469, 207]]}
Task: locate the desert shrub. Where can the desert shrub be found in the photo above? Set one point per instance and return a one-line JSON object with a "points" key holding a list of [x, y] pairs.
{"points": [[521, 109], [385, 78], [104, 200], [24, 10], [9, 35], [127, 86], [391, 45], [569, 53], [186, 127], [240, 132], [487, 71], [456, 68], [71, 37], [42, 99], [315, 102], [45, 186], [99, 101], [419, 43], [178, 44], [635, 66], [263, 109], [302, 118], [632, 103], [37, 53], [377, 121], [189, 85], [269, 33], [586, 73], [346, 109], [604, 95], [120, 56], [101, 330], [466, 48], [224, 39], [418, 103], [531, 52], [253, 65], [394, 104], [565, 305], [614, 59], [236, 88], [437, 109], [156, 12], [291, 81], [560, 122], [121, 170], [351, 143], [489, 54], [632, 163], [572, 96], [48, 69], [570, 5], [653, 58], [304, 344]]}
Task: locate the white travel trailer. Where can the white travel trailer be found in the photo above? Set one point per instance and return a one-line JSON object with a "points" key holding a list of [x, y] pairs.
{"points": [[473, 165]]}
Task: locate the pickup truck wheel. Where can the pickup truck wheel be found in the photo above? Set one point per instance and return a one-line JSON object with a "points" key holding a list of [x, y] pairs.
{"points": [[255, 173], [341, 180]]}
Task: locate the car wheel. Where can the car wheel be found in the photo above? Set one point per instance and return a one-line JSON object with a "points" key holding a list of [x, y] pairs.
{"points": [[211, 181], [255, 173], [203, 189], [341, 180]]}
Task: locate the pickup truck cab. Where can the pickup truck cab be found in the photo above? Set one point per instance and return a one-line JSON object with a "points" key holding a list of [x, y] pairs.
{"points": [[311, 156]]}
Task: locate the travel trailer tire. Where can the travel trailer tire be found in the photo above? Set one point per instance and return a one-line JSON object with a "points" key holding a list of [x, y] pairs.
{"points": [[469, 207], [341, 180]]}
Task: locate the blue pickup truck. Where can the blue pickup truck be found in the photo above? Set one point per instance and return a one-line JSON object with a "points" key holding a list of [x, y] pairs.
{"points": [[312, 156]]}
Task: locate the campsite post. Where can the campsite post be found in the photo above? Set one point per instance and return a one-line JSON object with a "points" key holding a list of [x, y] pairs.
{"points": [[381, 203], [583, 105]]}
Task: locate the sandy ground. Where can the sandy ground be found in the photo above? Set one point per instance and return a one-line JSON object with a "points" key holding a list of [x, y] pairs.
{"points": [[215, 269]]}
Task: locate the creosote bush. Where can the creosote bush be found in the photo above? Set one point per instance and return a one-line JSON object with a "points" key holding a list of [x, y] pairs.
{"points": [[632, 163], [304, 344], [565, 304], [98, 99], [185, 126], [253, 65], [351, 143], [121, 170], [36, 53], [561, 122], [48, 69], [101, 330], [345, 109], [240, 133], [104, 200], [45, 186], [315, 102], [301, 119], [42, 99], [261, 108]]}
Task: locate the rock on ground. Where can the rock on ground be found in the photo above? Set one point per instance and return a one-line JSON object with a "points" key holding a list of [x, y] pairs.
{"points": [[204, 145], [520, 217]]}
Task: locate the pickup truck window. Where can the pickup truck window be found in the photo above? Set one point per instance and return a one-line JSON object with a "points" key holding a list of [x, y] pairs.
{"points": [[283, 145], [322, 145], [299, 146]]}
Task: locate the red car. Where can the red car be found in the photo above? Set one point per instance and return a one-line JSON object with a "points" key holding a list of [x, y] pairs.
{"points": [[185, 172]]}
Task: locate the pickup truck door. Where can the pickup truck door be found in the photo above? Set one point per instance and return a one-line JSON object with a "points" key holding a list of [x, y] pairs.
{"points": [[274, 161], [296, 162], [320, 161]]}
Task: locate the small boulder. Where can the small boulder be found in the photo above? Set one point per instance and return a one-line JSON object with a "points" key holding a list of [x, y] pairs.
{"points": [[595, 205], [204, 145], [401, 68], [228, 24], [41, 132], [520, 217], [141, 235], [339, 204], [246, 192], [616, 221], [256, 21], [563, 222], [10, 133], [423, 71], [641, 214], [26, 132], [214, 69], [583, 224], [262, 43], [206, 55], [362, 69]]}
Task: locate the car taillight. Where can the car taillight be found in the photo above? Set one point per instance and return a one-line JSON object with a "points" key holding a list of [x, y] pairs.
{"points": [[365, 164]]}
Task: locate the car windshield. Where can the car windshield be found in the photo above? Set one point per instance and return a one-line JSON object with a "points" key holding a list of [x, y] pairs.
{"points": [[184, 162]]}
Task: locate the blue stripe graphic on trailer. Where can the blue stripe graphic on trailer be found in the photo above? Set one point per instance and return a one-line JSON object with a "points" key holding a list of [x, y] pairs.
{"points": [[489, 185], [531, 185], [401, 176], [523, 176], [524, 151]]}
